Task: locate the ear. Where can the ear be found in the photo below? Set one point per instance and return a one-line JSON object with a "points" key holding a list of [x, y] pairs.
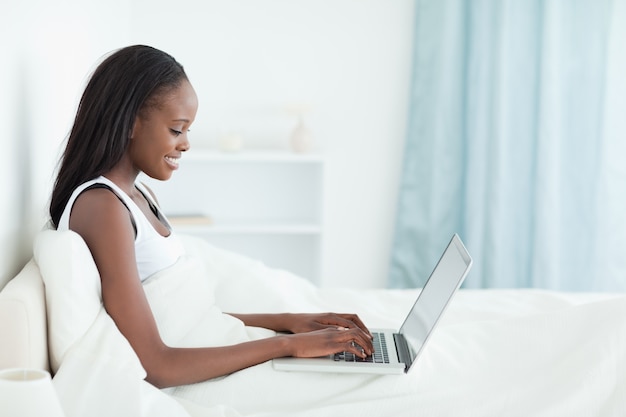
{"points": [[136, 126]]}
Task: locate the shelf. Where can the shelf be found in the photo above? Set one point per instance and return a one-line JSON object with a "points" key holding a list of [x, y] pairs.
{"points": [[265, 204], [248, 156], [239, 229]]}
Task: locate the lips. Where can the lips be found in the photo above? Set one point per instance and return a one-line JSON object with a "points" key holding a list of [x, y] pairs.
{"points": [[172, 161]]}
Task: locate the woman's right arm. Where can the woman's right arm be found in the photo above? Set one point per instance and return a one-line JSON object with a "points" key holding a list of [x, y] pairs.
{"points": [[105, 226]]}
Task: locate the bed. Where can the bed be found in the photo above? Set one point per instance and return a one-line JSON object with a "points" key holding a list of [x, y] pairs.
{"points": [[496, 352]]}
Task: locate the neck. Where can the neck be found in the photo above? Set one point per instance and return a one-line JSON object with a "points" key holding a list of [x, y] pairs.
{"points": [[123, 177]]}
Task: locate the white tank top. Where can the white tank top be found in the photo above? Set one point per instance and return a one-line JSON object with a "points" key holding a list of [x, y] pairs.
{"points": [[153, 251]]}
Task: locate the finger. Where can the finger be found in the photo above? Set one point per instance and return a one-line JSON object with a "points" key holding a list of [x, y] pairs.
{"points": [[357, 321], [353, 348], [352, 340], [351, 321], [366, 344], [338, 320], [356, 349], [362, 338], [363, 343]]}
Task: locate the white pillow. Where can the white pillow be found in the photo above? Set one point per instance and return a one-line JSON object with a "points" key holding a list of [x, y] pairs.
{"points": [[72, 286]]}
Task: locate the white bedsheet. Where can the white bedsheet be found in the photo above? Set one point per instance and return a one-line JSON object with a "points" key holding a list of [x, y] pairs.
{"points": [[496, 353]]}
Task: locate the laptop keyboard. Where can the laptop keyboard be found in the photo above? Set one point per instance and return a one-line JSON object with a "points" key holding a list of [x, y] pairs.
{"points": [[380, 354]]}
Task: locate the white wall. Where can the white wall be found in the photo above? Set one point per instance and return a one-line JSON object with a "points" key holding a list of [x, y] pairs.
{"points": [[349, 60], [47, 51], [12, 248]]}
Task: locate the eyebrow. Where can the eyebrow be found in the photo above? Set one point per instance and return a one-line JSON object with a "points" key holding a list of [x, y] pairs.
{"points": [[181, 120]]}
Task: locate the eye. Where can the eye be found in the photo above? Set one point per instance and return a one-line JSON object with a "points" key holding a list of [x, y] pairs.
{"points": [[178, 132]]}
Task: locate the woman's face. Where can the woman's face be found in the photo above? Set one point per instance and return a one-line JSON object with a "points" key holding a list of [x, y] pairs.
{"points": [[160, 133]]}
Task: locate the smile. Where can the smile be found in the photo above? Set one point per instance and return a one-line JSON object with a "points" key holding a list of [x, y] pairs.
{"points": [[173, 161]]}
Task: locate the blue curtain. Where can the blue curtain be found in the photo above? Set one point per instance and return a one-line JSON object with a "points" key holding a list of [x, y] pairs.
{"points": [[516, 140]]}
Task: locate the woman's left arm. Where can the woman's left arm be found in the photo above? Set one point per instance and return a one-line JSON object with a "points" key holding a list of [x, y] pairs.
{"points": [[302, 323]]}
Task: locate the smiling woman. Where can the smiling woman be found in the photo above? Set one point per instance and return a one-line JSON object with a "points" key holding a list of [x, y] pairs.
{"points": [[134, 117], [124, 92]]}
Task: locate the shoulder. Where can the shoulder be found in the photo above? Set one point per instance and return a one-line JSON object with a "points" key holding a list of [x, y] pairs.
{"points": [[100, 209], [105, 224], [98, 200]]}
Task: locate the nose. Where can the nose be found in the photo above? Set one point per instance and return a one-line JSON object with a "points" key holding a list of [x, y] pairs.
{"points": [[184, 144]]}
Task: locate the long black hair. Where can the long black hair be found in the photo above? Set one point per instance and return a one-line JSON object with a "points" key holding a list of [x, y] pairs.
{"points": [[122, 85]]}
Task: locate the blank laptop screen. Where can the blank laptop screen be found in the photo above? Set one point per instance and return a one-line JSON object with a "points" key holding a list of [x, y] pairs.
{"points": [[440, 287]]}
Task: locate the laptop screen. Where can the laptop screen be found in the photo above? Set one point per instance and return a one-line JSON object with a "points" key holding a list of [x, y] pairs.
{"points": [[443, 282]]}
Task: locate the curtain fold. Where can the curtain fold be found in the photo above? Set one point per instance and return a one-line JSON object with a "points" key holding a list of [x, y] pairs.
{"points": [[515, 140]]}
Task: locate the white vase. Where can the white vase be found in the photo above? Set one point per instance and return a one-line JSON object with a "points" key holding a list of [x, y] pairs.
{"points": [[301, 140], [230, 142]]}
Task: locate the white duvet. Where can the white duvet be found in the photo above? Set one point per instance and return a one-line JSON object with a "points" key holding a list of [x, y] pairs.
{"points": [[496, 353]]}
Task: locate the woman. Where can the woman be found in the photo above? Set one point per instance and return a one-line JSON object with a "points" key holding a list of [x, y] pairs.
{"points": [[134, 116]]}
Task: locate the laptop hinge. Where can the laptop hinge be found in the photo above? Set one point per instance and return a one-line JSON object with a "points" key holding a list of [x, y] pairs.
{"points": [[402, 350]]}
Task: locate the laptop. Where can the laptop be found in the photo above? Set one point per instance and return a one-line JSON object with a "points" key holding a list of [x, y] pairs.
{"points": [[397, 351]]}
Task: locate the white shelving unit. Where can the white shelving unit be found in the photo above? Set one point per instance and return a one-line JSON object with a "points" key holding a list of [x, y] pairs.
{"points": [[263, 204]]}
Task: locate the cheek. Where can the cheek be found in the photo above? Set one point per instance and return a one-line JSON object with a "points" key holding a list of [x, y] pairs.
{"points": [[139, 151], [151, 141]]}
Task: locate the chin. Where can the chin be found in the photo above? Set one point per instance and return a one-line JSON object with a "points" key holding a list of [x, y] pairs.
{"points": [[161, 176]]}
